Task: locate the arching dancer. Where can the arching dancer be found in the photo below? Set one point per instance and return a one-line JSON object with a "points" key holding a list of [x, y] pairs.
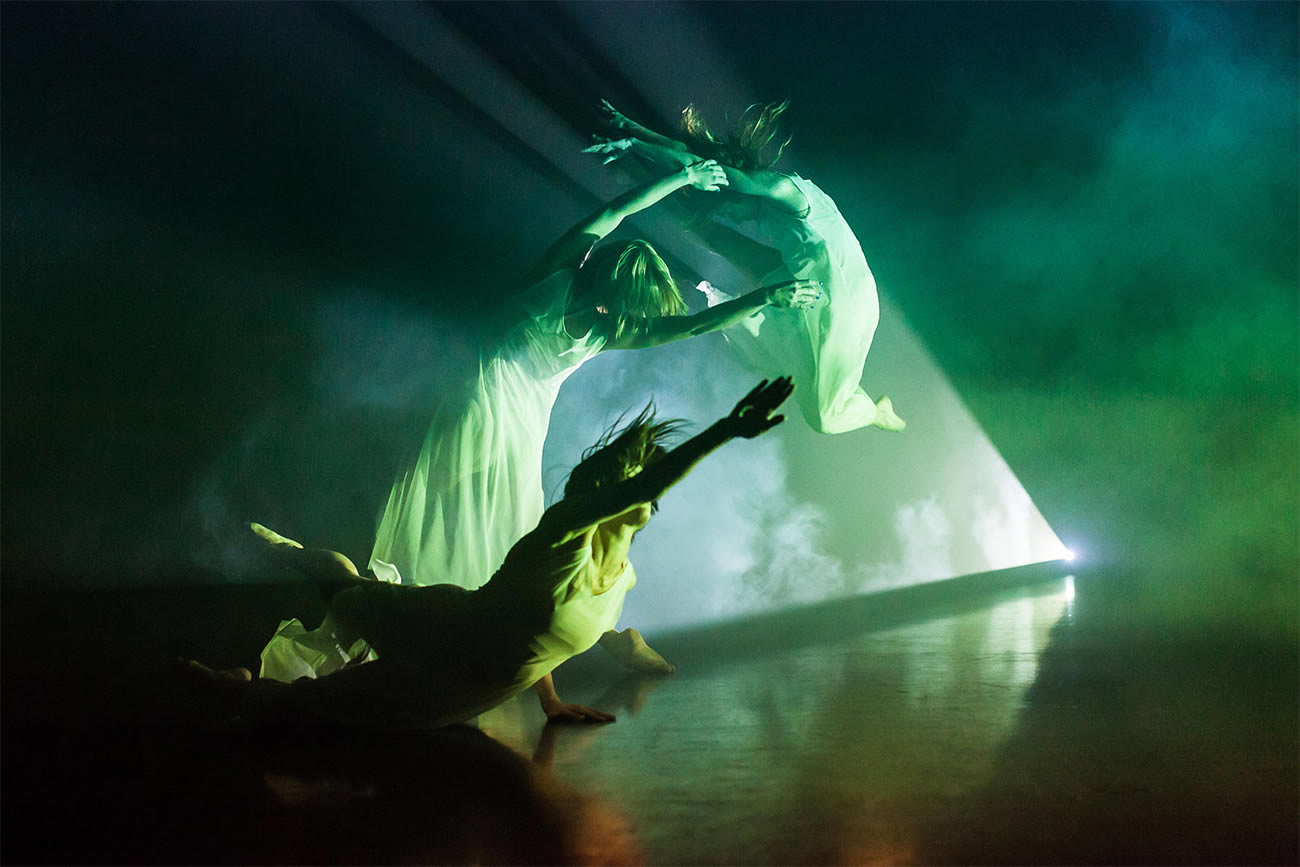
{"points": [[801, 234]]}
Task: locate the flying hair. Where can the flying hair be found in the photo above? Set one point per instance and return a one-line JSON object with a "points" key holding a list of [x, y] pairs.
{"points": [[622, 450], [745, 146]]}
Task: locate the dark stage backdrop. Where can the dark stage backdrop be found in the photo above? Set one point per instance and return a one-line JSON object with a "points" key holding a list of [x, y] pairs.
{"points": [[245, 245]]}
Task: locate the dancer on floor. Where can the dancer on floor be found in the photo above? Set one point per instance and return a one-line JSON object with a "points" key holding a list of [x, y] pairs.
{"points": [[446, 654], [476, 486], [802, 236]]}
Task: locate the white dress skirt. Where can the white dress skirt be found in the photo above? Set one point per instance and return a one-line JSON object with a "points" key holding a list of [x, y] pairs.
{"points": [[825, 347], [476, 486]]}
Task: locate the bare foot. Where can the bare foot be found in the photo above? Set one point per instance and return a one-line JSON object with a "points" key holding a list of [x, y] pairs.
{"points": [[271, 537], [886, 418], [631, 651]]}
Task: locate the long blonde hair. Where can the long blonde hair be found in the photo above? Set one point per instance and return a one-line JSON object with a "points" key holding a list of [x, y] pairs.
{"points": [[628, 280], [745, 146]]}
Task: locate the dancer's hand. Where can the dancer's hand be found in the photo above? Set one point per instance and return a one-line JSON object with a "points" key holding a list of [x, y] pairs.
{"points": [[753, 415], [575, 713], [706, 175], [610, 149], [614, 117], [801, 294]]}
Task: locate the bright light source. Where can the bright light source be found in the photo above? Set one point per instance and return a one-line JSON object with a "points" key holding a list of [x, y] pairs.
{"points": [[1068, 555]]}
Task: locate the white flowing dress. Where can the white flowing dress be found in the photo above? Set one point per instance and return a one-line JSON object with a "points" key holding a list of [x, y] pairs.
{"points": [[476, 487], [825, 347]]}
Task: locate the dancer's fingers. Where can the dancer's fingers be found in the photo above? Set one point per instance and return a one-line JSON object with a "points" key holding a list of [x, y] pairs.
{"points": [[755, 392], [576, 713], [775, 394], [587, 714]]}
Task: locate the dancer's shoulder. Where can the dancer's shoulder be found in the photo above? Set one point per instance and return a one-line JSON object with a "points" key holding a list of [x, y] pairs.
{"points": [[784, 191]]}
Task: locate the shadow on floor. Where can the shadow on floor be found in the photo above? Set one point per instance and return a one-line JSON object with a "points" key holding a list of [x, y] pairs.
{"points": [[153, 796]]}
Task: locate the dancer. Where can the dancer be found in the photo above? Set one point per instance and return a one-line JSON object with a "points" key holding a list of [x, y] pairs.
{"points": [[803, 236], [446, 654], [476, 485]]}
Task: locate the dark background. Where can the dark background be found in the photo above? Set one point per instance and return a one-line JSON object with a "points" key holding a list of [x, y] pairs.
{"points": [[237, 239]]}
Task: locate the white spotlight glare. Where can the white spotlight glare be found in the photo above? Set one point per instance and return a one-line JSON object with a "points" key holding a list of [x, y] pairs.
{"points": [[1069, 555]]}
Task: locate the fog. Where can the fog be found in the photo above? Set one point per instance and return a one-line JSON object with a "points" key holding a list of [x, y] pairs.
{"points": [[245, 247]]}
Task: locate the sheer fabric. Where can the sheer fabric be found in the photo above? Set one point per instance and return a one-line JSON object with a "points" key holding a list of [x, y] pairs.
{"points": [[824, 348], [475, 487]]}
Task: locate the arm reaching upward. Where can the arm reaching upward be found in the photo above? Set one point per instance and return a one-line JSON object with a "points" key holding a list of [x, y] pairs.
{"points": [[662, 151], [628, 127], [663, 158], [569, 250], [752, 416]]}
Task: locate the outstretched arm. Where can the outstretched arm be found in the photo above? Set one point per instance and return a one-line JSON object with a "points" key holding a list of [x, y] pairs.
{"points": [[572, 247], [752, 416], [632, 129], [658, 330], [773, 186], [663, 151]]}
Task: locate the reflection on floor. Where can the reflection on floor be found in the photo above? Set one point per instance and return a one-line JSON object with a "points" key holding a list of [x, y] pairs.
{"points": [[823, 750], [985, 721]]}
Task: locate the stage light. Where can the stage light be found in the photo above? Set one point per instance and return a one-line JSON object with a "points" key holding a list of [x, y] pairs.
{"points": [[1069, 555]]}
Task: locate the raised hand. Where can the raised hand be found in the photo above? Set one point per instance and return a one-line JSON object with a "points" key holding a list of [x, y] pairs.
{"points": [[800, 294], [614, 117], [706, 175], [753, 415], [611, 149]]}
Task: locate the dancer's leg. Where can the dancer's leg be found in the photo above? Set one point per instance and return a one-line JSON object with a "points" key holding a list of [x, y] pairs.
{"points": [[330, 571], [631, 651], [886, 418], [317, 564]]}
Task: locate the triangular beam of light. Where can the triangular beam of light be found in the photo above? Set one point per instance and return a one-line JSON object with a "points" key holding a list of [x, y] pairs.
{"points": [[796, 517]]}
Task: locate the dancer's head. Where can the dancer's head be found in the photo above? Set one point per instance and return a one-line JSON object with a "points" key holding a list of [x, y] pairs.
{"points": [[622, 451], [747, 146], [629, 280]]}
